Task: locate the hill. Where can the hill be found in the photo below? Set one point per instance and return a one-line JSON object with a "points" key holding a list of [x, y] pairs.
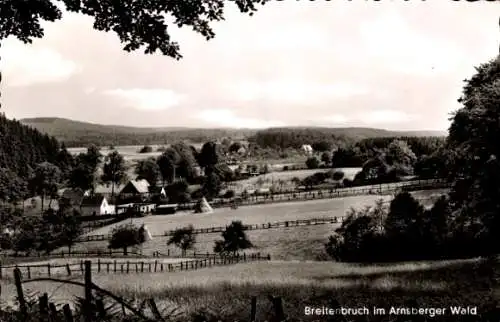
{"points": [[77, 133]]}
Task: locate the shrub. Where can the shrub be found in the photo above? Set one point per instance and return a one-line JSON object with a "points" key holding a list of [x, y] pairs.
{"points": [[312, 163], [146, 149]]}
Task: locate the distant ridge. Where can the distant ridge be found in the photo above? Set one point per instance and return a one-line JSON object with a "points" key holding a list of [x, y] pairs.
{"points": [[77, 133]]}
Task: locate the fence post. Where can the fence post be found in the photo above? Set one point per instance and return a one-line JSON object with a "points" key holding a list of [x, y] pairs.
{"points": [[0, 271], [253, 309], [142, 267], [20, 293], [68, 270], [98, 265], [29, 272], [114, 264], [107, 267], [128, 267], [67, 313], [43, 302], [278, 308], [156, 264], [48, 269], [87, 309]]}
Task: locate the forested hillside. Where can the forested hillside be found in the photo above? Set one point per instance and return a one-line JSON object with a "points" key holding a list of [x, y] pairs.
{"points": [[284, 138], [82, 134], [21, 149]]}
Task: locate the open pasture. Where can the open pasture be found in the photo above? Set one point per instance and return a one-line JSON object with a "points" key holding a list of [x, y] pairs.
{"points": [[257, 214], [285, 177], [292, 243], [225, 291]]}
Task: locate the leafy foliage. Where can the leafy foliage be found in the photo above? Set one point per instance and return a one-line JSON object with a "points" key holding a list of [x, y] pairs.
{"points": [[183, 238], [114, 170], [234, 239], [148, 169], [125, 236], [137, 25]]}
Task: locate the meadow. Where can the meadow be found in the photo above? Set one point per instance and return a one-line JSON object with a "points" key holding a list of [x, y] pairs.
{"points": [[292, 243], [225, 291]]}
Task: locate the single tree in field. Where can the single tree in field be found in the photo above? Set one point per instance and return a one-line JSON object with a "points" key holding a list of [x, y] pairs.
{"points": [[234, 239], [125, 236], [183, 238], [114, 170], [45, 181], [148, 169], [312, 163]]}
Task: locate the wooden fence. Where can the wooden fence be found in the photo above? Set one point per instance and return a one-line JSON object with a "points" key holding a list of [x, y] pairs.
{"points": [[219, 229], [93, 308], [314, 194], [130, 266]]}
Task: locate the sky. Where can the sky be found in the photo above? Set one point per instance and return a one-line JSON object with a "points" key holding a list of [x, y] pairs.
{"points": [[394, 65]]}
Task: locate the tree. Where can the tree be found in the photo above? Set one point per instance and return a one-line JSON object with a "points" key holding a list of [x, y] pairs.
{"points": [[148, 169], [234, 239], [475, 165], [312, 163], [114, 170], [81, 177], [183, 238], [140, 25], [400, 154], [326, 158], [209, 156], [321, 146], [146, 149], [125, 236], [338, 175], [235, 147], [167, 163], [45, 181], [211, 186]]}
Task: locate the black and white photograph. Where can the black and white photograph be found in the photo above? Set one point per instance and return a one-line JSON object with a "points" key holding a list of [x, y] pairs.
{"points": [[249, 161]]}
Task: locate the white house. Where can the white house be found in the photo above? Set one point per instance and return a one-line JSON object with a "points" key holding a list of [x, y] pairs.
{"points": [[307, 148], [96, 205]]}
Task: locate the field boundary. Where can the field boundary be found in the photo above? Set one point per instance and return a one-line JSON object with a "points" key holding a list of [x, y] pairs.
{"points": [[273, 225], [131, 266]]}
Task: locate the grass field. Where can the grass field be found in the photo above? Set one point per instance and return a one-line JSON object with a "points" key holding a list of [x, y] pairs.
{"points": [[225, 291], [292, 243], [286, 177]]}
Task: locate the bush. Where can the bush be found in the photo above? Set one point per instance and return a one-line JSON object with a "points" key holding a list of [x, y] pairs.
{"points": [[312, 163], [146, 149]]}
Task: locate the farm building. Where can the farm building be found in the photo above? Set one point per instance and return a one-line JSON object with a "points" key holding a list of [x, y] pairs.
{"points": [[106, 190], [96, 205], [135, 188], [307, 149]]}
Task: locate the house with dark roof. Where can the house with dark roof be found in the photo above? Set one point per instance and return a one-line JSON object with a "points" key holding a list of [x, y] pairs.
{"points": [[135, 188], [96, 205]]}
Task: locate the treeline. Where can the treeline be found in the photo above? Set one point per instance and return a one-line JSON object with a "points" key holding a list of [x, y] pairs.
{"points": [[21, 150], [283, 138], [82, 134]]}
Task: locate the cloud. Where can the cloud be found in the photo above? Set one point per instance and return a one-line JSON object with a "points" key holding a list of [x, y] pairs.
{"points": [[293, 91], [147, 99], [387, 117], [227, 118], [24, 65], [403, 49]]}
